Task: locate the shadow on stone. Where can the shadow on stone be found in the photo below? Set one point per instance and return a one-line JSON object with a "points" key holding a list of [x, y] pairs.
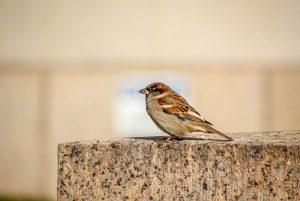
{"points": [[162, 138]]}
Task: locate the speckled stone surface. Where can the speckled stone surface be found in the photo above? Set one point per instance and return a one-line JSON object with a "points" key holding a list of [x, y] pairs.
{"points": [[255, 166]]}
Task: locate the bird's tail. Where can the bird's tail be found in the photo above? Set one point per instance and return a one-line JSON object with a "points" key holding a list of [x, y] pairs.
{"points": [[209, 129]]}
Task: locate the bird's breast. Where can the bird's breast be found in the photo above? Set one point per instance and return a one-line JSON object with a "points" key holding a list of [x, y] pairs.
{"points": [[168, 123]]}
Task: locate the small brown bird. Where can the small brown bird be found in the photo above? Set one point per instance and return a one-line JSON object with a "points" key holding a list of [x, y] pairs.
{"points": [[172, 114]]}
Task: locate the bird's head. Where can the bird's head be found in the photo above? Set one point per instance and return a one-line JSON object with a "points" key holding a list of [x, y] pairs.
{"points": [[155, 89]]}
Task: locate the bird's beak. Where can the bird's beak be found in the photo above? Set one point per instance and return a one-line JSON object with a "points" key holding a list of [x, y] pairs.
{"points": [[144, 91]]}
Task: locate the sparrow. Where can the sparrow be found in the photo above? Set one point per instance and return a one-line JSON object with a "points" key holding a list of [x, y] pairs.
{"points": [[172, 114]]}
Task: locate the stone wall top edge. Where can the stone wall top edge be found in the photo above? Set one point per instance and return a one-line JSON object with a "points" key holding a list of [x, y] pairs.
{"points": [[274, 138]]}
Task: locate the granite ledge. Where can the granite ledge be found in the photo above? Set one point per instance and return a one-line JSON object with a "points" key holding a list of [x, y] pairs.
{"points": [[255, 166]]}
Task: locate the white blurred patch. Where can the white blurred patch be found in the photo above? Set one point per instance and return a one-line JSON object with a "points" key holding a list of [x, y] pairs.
{"points": [[130, 116]]}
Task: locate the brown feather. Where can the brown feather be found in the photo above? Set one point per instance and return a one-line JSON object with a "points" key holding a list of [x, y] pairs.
{"points": [[179, 107]]}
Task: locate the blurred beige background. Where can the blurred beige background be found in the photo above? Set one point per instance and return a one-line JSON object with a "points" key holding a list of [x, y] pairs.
{"points": [[62, 64]]}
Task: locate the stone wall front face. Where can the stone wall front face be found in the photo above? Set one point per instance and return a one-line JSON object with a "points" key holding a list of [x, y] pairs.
{"points": [[255, 166]]}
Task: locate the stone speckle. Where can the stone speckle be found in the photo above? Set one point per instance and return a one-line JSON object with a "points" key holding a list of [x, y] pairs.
{"points": [[255, 166]]}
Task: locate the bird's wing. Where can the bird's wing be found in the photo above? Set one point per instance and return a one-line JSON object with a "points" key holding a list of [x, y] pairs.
{"points": [[178, 106]]}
